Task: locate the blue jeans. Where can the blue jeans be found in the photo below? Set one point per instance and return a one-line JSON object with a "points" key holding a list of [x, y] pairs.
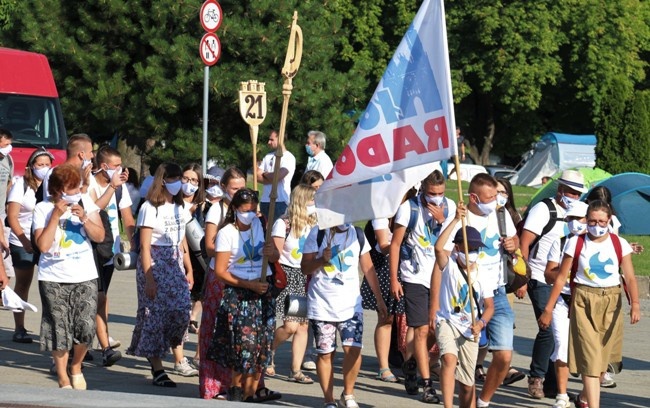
{"points": [[540, 365], [280, 209]]}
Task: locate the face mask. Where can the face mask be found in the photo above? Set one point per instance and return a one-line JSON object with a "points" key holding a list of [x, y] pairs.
{"points": [[568, 201], [311, 209], [501, 200], [215, 191], [246, 218], [111, 172], [473, 257], [309, 151], [41, 172], [486, 208], [6, 150], [86, 163], [597, 230], [189, 188], [437, 200], [173, 188], [576, 227], [71, 199]]}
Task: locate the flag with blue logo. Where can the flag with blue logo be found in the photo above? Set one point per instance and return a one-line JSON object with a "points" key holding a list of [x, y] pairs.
{"points": [[406, 129]]}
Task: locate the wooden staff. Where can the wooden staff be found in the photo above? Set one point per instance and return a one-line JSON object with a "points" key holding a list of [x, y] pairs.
{"points": [[252, 108], [289, 70], [470, 292]]}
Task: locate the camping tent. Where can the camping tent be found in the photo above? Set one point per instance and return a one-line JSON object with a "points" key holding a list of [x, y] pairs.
{"points": [[631, 201], [592, 178], [556, 152]]}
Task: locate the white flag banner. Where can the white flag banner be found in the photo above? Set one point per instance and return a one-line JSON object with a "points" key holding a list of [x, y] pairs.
{"points": [[406, 129]]}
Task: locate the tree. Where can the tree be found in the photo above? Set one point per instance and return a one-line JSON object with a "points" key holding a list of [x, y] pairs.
{"points": [[7, 8]]}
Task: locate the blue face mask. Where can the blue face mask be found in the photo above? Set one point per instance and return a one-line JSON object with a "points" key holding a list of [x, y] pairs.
{"points": [[568, 201], [309, 150]]}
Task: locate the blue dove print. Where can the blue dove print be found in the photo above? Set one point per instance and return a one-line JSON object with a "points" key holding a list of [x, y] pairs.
{"points": [[338, 262], [597, 268], [430, 236], [111, 210], [296, 253], [492, 243], [249, 250], [72, 234]]}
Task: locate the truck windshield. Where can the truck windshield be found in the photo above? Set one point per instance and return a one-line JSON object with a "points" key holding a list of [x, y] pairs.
{"points": [[33, 121]]}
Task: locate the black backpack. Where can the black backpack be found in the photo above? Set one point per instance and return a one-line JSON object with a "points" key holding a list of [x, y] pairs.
{"points": [[553, 219]]}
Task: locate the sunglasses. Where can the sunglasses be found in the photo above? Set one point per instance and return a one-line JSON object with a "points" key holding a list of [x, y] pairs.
{"points": [[248, 194]]}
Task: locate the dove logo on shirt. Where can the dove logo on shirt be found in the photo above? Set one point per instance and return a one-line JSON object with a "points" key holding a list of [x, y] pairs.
{"points": [[71, 235], [598, 269], [251, 253], [492, 244], [296, 253], [338, 260]]}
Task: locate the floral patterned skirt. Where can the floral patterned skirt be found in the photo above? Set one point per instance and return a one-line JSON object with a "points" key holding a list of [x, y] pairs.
{"points": [[244, 329]]}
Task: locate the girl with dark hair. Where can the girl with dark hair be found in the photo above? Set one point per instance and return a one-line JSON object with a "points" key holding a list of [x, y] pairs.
{"points": [[163, 282], [20, 208], [245, 321], [312, 178]]}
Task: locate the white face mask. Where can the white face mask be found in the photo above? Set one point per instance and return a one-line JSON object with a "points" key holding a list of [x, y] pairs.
{"points": [[41, 172], [473, 257], [597, 230], [6, 150], [501, 200], [111, 172], [486, 208], [311, 209], [437, 200], [71, 199], [189, 188], [86, 163], [568, 201], [215, 191], [246, 218], [576, 227], [173, 188]]}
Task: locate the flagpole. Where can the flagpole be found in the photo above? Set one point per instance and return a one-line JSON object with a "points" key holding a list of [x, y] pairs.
{"points": [[289, 70]]}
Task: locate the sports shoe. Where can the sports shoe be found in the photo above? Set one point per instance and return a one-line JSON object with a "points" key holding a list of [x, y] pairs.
{"points": [[308, 364], [21, 336], [110, 357], [536, 387], [185, 369], [112, 343], [347, 401], [608, 380], [562, 401], [429, 395]]}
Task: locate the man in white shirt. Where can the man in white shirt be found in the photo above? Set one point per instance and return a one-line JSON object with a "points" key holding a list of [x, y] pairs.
{"points": [[265, 176], [544, 225], [318, 159]]}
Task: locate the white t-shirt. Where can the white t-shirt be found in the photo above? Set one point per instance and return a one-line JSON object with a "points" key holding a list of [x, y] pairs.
{"points": [[379, 224], [422, 239], [490, 261], [112, 210], [291, 254], [70, 258], [27, 200], [284, 186], [214, 216], [167, 222], [455, 302], [555, 254], [537, 219], [598, 264], [333, 293], [245, 248], [321, 163]]}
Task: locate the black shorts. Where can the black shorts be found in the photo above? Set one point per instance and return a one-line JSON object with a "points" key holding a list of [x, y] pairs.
{"points": [[416, 302], [105, 274]]}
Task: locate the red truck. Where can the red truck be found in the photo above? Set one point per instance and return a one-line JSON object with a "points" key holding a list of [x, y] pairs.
{"points": [[29, 106]]}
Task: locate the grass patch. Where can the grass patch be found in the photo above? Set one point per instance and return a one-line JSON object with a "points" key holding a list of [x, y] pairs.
{"points": [[642, 261]]}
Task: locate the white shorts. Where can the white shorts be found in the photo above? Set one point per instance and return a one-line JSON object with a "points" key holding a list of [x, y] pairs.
{"points": [[560, 326]]}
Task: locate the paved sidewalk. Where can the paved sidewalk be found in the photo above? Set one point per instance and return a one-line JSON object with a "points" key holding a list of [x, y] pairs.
{"points": [[24, 370]]}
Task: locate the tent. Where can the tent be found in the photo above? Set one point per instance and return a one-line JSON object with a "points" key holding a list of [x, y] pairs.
{"points": [[592, 178], [556, 152], [631, 201]]}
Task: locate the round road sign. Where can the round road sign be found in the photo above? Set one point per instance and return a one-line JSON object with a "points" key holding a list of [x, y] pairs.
{"points": [[210, 16], [210, 49]]}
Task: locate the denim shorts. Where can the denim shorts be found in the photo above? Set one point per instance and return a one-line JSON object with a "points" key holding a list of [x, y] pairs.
{"points": [[20, 258], [501, 326], [351, 332]]}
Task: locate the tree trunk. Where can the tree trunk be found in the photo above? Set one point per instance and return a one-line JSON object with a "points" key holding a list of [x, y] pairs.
{"points": [[488, 110]]}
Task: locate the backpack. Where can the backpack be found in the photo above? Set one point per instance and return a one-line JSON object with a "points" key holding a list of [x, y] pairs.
{"points": [[405, 250], [361, 237], [553, 219], [103, 251]]}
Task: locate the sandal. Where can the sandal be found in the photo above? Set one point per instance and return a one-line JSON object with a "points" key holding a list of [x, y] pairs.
{"points": [[513, 376], [193, 327], [299, 377], [409, 368], [479, 374], [264, 394], [388, 378], [270, 370], [162, 380]]}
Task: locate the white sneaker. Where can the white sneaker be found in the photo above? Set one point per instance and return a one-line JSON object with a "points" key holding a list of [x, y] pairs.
{"points": [[347, 401], [608, 381], [562, 401], [308, 364], [112, 343], [185, 369]]}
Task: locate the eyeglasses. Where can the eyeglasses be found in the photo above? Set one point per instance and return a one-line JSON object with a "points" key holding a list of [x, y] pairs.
{"points": [[502, 192], [190, 180], [592, 223]]}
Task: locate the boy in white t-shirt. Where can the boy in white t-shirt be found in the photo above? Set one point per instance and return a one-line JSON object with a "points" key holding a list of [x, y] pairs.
{"points": [[458, 321], [334, 302]]}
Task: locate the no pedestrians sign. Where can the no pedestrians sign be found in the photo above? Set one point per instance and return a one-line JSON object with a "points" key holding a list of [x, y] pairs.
{"points": [[210, 49]]}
